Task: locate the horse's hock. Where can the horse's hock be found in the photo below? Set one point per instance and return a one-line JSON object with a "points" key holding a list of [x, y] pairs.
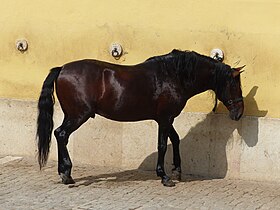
{"points": [[212, 145]]}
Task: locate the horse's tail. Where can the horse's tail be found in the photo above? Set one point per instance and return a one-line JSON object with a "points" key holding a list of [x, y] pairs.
{"points": [[45, 116]]}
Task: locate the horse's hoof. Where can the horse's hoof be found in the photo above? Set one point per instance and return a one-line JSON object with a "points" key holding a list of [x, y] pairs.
{"points": [[66, 179], [167, 182], [176, 175]]}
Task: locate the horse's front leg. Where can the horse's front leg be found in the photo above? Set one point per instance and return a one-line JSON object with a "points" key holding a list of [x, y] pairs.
{"points": [[163, 132], [174, 137]]}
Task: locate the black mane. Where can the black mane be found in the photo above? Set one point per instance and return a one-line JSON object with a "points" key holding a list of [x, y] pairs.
{"points": [[183, 64]]}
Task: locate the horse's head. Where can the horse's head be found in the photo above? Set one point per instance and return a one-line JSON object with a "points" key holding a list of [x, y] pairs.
{"points": [[231, 95]]}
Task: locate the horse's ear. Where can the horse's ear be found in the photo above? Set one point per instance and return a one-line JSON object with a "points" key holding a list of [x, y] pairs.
{"points": [[237, 71], [239, 68]]}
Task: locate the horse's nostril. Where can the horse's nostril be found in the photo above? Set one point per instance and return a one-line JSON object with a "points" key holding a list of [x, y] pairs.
{"points": [[239, 115]]}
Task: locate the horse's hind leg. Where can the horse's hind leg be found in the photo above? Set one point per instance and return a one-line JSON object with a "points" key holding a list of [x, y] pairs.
{"points": [[174, 137], [62, 134]]}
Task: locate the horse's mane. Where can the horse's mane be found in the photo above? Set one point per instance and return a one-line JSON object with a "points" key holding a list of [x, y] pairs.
{"points": [[183, 64]]}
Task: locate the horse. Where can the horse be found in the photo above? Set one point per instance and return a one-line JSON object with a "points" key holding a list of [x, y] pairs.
{"points": [[156, 89]]}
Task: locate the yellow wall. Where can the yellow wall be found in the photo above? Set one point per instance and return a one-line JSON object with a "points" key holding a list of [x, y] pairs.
{"points": [[248, 31]]}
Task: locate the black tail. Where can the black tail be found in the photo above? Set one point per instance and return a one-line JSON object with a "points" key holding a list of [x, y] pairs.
{"points": [[45, 116]]}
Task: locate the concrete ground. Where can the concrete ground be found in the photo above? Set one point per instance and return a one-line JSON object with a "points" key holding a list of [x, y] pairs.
{"points": [[24, 186]]}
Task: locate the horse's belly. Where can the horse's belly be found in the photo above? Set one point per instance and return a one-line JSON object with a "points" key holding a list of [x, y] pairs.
{"points": [[128, 114]]}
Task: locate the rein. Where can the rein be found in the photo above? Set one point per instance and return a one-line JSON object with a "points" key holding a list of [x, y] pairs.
{"points": [[216, 103]]}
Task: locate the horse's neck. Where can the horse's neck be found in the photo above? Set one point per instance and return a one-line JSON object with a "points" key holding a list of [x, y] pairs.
{"points": [[204, 81]]}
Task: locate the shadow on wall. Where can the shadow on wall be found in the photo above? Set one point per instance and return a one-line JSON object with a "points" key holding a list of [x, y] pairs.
{"points": [[204, 148]]}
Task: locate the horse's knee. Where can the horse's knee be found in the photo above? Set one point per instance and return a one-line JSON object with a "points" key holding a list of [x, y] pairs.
{"points": [[162, 147]]}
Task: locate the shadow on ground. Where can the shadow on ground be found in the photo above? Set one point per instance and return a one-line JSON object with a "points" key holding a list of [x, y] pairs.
{"points": [[135, 175]]}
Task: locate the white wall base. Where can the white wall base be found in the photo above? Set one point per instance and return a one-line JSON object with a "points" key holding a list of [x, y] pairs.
{"points": [[212, 145]]}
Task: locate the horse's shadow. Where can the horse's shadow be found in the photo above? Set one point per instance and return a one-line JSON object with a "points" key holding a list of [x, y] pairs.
{"points": [[203, 149], [116, 177]]}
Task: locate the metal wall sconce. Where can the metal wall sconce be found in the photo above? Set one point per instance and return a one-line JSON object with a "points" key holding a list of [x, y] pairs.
{"points": [[116, 50], [217, 54], [21, 45]]}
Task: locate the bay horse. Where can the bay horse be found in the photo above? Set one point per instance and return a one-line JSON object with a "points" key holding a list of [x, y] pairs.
{"points": [[156, 89]]}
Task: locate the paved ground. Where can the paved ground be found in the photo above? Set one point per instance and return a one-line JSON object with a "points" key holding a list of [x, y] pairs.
{"points": [[23, 186]]}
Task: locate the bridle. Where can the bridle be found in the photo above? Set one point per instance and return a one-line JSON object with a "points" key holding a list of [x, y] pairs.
{"points": [[228, 104]]}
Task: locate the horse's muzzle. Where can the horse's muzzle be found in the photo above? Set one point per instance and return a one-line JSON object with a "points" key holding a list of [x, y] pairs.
{"points": [[236, 117], [237, 112]]}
